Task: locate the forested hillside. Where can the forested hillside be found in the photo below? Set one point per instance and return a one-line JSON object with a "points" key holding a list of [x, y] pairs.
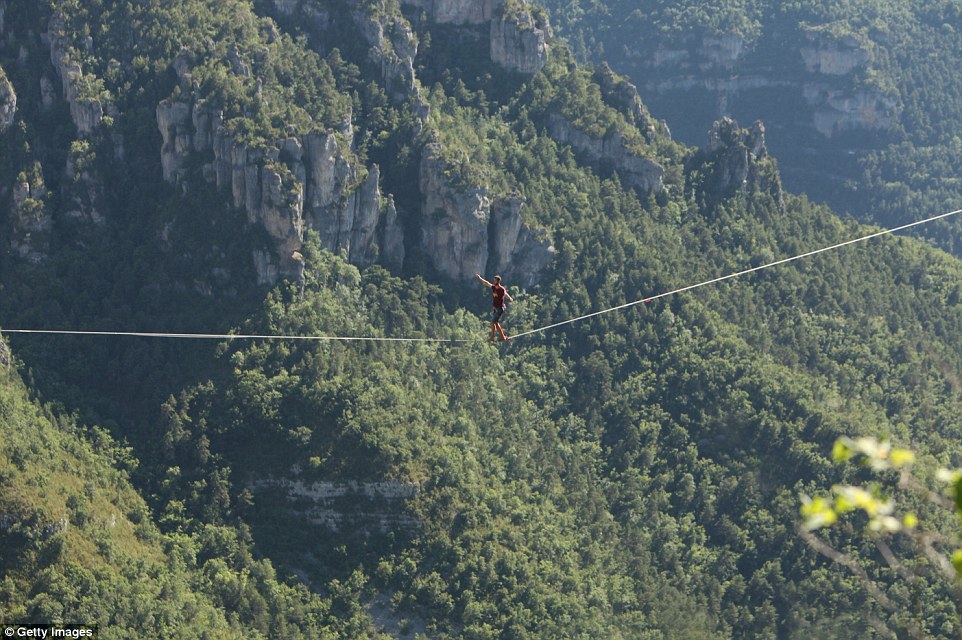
{"points": [[861, 99], [334, 168]]}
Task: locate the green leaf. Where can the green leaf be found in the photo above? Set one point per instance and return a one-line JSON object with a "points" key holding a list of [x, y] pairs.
{"points": [[901, 457], [842, 450], [957, 561]]}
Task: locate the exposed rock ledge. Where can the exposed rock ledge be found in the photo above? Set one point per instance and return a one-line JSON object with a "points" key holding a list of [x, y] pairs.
{"points": [[611, 152], [465, 232]]}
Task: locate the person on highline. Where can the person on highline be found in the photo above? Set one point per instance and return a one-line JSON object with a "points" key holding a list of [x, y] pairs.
{"points": [[498, 294]]}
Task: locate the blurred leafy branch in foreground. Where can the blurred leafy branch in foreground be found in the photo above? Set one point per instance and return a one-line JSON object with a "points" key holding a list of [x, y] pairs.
{"points": [[895, 532]]}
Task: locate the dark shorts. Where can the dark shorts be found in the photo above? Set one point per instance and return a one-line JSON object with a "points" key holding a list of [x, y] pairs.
{"points": [[496, 314]]}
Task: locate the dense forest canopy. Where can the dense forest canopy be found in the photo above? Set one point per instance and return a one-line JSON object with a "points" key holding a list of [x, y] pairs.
{"points": [[633, 475]]}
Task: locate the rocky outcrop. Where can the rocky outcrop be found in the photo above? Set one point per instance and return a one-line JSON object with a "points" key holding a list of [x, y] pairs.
{"points": [[519, 42], [31, 223], [736, 160], [86, 109], [393, 47], [623, 96], [294, 185], [464, 231], [516, 250], [364, 506], [846, 106], [8, 102], [609, 152]]}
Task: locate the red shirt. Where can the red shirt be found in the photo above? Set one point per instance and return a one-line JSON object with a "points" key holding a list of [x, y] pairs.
{"points": [[497, 293]]}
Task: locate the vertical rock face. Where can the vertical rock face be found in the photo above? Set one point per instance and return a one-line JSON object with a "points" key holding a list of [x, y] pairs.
{"points": [[86, 111], [393, 47], [519, 37], [722, 51], [832, 55], [5, 358], [828, 75], [31, 224], [519, 42], [352, 506], [611, 152], [839, 110], [8, 102], [519, 252], [464, 231], [294, 185], [621, 95], [454, 229]]}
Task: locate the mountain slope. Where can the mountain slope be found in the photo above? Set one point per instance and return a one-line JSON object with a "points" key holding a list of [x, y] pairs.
{"points": [[80, 546], [860, 99], [247, 165]]}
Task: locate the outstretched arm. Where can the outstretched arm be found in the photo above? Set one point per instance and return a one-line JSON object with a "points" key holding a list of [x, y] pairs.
{"points": [[508, 296], [486, 283]]}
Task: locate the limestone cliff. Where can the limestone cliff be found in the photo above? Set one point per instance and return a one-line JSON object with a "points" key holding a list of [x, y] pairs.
{"points": [[609, 152], [8, 102], [291, 185], [466, 231], [519, 33], [79, 90], [393, 46], [828, 54], [463, 230], [519, 41], [828, 72], [850, 106], [5, 358]]}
